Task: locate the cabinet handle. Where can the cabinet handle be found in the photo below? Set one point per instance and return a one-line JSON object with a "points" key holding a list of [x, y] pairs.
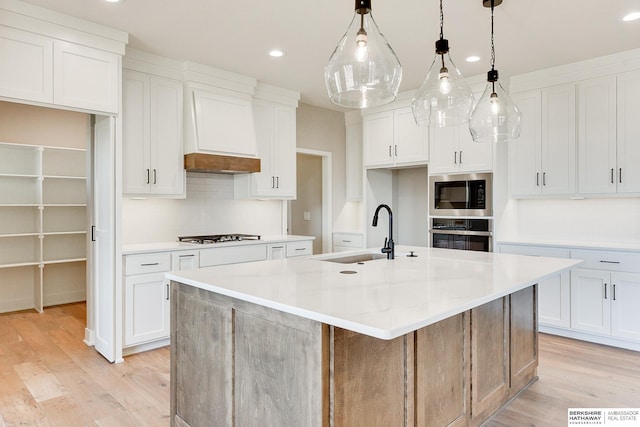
{"points": [[148, 171], [455, 157], [460, 157], [612, 179], [614, 292], [346, 241], [609, 262], [396, 150], [273, 182], [277, 182], [277, 247], [155, 176], [300, 249], [620, 175], [605, 291], [186, 256], [149, 264], [544, 179], [167, 292], [537, 179], [93, 233], [389, 151]]}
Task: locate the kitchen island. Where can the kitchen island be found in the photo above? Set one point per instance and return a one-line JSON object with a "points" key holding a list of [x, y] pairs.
{"points": [[442, 338]]}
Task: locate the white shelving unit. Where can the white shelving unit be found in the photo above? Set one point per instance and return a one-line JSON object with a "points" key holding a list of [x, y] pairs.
{"points": [[43, 226]]}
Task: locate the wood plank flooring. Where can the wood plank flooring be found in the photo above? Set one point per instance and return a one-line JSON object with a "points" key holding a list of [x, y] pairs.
{"points": [[48, 377]]}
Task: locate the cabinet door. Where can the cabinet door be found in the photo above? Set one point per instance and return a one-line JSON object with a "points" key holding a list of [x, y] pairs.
{"points": [[473, 156], [224, 124], [377, 134], [146, 306], [628, 132], [185, 260], [284, 151], [558, 143], [29, 73], [590, 300], [84, 77], [167, 158], [277, 251], [411, 142], [263, 182], [443, 150], [524, 153], [625, 295], [597, 136], [136, 140]]}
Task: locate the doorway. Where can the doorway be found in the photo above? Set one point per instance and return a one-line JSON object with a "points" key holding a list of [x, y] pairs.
{"points": [[310, 213]]}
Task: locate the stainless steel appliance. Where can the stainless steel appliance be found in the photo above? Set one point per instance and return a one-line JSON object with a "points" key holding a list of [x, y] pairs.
{"points": [[217, 238], [461, 195], [470, 234]]}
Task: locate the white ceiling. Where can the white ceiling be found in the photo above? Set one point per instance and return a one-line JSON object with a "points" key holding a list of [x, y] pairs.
{"points": [[235, 35]]}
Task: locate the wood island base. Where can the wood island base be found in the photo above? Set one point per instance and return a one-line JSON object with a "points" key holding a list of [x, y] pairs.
{"points": [[235, 363]]}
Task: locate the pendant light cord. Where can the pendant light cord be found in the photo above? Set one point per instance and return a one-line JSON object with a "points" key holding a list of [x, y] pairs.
{"points": [[441, 21], [493, 50]]}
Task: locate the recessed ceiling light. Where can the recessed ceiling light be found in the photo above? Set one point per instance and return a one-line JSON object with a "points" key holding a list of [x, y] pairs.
{"points": [[277, 53], [473, 59], [631, 16]]}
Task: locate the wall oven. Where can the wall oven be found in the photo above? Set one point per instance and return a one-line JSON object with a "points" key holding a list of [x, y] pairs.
{"points": [[469, 234], [461, 195]]}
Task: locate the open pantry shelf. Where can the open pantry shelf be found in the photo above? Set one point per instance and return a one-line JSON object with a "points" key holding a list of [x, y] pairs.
{"points": [[43, 226]]}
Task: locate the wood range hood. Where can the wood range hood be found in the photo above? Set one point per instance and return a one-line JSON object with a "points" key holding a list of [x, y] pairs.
{"points": [[216, 163]]}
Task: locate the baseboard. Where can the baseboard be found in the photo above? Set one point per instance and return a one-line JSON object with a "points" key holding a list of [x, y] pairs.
{"points": [[65, 297], [89, 337], [128, 351], [583, 336], [17, 304]]}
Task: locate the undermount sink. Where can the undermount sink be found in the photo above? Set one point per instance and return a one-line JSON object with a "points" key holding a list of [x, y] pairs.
{"points": [[352, 259]]}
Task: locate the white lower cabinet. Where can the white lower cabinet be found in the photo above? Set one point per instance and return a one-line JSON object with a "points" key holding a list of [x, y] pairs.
{"points": [[598, 301], [606, 303], [276, 251], [146, 308], [302, 248], [554, 293], [347, 242], [232, 255], [146, 298]]}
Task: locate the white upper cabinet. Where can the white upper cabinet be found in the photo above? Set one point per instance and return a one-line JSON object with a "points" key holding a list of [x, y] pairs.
{"points": [[392, 138], [276, 138], [27, 75], [453, 150], [274, 114], [220, 122], [43, 69], [152, 135], [85, 78], [543, 160], [628, 132], [597, 136]]}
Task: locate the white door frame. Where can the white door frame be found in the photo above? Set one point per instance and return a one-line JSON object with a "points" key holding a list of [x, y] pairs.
{"points": [[327, 196]]}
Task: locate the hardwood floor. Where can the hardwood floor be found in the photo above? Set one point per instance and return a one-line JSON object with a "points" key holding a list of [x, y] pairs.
{"points": [[48, 377]]}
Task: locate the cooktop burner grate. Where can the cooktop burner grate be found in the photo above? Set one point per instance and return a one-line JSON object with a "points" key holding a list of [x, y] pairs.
{"points": [[217, 238]]}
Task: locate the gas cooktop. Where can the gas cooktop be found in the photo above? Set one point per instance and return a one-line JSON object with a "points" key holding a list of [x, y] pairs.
{"points": [[217, 238]]}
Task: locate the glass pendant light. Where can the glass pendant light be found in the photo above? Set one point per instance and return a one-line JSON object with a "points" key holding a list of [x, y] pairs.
{"points": [[495, 116], [444, 99], [363, 70]]}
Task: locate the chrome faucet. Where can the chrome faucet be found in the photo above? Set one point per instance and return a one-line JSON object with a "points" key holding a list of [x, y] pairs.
{"points": [[389, 246]]}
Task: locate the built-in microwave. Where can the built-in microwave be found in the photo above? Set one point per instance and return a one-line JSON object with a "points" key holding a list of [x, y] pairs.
{"points": [[461, 195]]}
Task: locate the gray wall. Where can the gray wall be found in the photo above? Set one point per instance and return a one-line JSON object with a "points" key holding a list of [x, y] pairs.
{"points": [[309, 183]]}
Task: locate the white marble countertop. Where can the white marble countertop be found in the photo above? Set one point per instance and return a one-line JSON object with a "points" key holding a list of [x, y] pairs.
{"points": [[178, 246], [383, 298], [601, 246]]}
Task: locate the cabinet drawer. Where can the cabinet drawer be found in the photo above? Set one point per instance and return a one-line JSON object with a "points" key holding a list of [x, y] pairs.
{"points": [[299, 249], [147, 263], [608, 260], [350, 240], [232, 255]]}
